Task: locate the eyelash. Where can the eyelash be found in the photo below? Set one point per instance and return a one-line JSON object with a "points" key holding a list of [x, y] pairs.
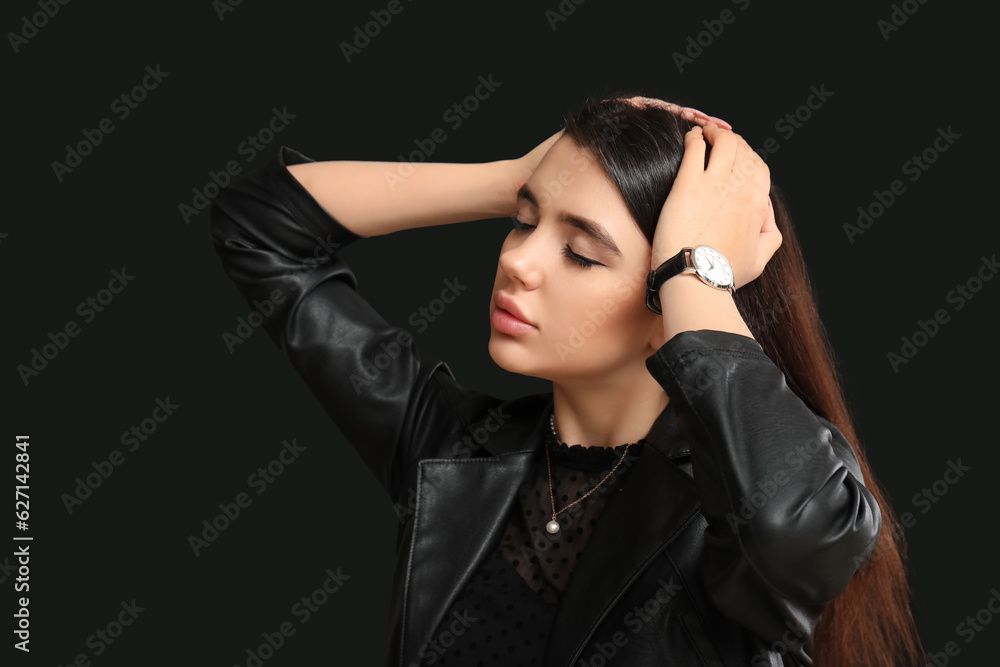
{"points": [[582, 262]]}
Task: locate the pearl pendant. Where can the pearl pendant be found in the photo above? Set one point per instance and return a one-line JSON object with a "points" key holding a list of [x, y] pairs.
{"points": [[552, 527]]}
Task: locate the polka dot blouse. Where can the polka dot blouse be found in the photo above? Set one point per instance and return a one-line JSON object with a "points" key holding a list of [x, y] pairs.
{"points": [[507, 607]]}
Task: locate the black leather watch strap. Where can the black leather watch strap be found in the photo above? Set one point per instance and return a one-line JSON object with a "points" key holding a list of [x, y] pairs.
{"points": [[659, 275]]}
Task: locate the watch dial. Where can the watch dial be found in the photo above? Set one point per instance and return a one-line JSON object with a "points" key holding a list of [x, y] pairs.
{"points": [[710, 263]]}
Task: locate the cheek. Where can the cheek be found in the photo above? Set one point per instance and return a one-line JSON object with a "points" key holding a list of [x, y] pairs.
{"points": [[603, 320], [628, 297], [625, 305], [624, 318]]}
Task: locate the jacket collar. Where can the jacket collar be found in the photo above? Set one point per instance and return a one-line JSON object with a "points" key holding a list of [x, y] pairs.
{"points": [[655, 501]]}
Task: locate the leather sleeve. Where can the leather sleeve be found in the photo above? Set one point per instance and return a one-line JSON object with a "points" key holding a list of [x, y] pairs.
{"points": [[276, 242], [789, 518]]}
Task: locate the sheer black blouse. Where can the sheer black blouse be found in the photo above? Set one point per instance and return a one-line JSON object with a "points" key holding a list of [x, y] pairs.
{"points": [[504, 614]]}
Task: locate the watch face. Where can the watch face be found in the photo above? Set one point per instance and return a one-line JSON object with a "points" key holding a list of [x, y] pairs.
{"points": [[711, 265]]}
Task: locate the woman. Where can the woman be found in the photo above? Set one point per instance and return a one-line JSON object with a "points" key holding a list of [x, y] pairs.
{"points": [[688, 493]]}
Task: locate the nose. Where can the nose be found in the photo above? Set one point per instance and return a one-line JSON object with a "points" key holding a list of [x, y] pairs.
{"points": [[519, 258]]}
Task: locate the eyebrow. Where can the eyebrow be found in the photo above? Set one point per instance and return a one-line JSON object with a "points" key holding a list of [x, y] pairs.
{"points": [[589, 227]]}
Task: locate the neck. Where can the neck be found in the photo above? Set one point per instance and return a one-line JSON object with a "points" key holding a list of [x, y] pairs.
{"points": [[612, 411]]}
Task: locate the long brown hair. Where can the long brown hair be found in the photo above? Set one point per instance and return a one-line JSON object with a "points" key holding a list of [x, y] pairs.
{"points": [[870, 623]]}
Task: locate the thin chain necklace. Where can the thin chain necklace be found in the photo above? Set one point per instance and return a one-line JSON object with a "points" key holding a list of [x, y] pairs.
{"points": [[553, 526]]}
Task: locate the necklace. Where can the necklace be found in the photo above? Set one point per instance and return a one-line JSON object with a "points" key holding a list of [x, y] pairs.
{"points": [[553, 525]]}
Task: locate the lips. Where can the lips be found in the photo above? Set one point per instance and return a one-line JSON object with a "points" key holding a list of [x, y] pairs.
{"points": [[508, 304]]}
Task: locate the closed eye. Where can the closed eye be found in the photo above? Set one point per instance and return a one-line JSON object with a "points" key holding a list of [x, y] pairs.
{"points": [[567, 252]]}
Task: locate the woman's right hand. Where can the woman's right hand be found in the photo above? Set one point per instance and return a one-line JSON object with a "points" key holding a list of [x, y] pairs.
{"points": [[521, 169]]}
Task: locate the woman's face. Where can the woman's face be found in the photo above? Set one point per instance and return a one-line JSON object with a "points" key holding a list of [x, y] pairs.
{"points": [[589, 322]]}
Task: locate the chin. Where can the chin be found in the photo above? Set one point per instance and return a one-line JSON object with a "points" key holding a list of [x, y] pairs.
{"points": [[511, 356], [507, 353]]}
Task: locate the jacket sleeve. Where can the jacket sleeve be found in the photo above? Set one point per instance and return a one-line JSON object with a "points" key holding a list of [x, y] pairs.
{"points": [[278, 244], [789, 518]]}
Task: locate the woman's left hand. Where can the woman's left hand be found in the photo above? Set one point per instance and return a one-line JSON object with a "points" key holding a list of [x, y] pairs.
{"points": [[725, 205]]}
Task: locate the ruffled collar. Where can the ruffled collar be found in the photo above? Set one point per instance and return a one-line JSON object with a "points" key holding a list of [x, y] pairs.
{"points": [[589, 457]]}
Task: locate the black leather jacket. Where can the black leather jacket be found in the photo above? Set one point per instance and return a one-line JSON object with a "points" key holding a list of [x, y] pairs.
{"points": [[742, 518]]}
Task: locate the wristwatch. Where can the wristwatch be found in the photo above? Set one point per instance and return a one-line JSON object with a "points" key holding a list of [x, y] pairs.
{"points": [[704, 261]]}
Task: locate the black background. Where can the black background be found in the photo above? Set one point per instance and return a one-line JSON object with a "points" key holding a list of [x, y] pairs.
{"points": [[162, 335]]}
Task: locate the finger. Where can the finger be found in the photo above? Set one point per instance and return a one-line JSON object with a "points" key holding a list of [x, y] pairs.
{"points": [[721, 123], [693, 115], [654, 102], [693, 160], [687, 113], [724, 145], [750, 168], [762, 173], [703, 118], [640, 101]]}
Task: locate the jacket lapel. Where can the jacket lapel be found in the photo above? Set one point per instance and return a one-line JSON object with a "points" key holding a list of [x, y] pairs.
{"points": [[462, 505]]}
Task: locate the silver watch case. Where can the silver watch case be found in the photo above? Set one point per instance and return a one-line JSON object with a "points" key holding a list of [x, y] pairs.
{"points": [[710, 265]]}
